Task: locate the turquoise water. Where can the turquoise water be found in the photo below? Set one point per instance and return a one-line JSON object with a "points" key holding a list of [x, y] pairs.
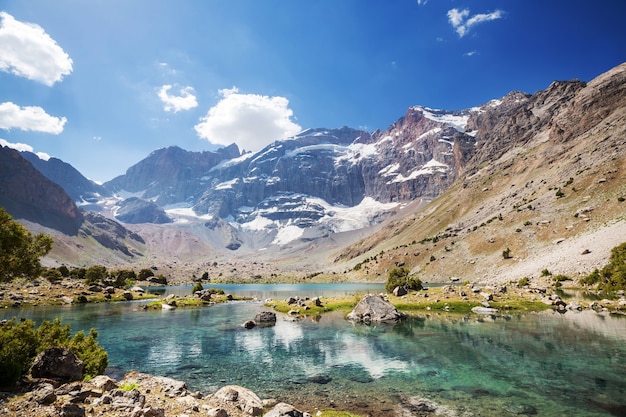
{"points": [[543, 364]]}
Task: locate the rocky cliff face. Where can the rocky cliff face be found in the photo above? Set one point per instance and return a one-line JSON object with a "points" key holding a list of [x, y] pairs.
{"points": [[170, 175], [79, 188], [27, 194]]}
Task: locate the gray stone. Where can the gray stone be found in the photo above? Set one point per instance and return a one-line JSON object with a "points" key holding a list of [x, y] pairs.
{"points": [[104, 383], [244, 399], [266, 317], [399, 291], [484, 310], [249, 324], [284, 410], [44, 394], [374, 309], [128, 295]]}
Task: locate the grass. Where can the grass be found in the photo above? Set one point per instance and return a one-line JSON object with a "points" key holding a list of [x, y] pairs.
{"points": [[194, 302], [344, 303], [333, 413]]}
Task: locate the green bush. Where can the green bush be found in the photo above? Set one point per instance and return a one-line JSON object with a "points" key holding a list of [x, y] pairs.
{"points": [[20, 343], [197, 287], [611, 277], [399, 277], [522, 282]]}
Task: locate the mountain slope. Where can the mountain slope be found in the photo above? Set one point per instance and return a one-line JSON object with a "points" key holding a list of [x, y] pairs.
{"points": [[73, 182], [547, 183]]}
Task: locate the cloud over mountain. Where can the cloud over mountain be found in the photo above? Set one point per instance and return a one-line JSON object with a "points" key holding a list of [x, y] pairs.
{"points": [[185, 100], [462, 22], [250, 120], [26, 50]]}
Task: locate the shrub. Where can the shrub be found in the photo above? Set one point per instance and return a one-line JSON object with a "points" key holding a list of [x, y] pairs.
{"points": [[545, 272], [95, 274], [197, 287], [506, 254], [20, 343], [145, 274], [522, 282], [611, 277], [399, 277]]}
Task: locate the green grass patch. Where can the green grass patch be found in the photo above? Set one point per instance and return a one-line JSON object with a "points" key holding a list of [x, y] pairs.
{"points": [[520, 305], [450, 306], [328, 304]]}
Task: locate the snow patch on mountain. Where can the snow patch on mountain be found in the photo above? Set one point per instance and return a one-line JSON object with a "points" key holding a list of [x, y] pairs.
{"points": [[430, 168]]}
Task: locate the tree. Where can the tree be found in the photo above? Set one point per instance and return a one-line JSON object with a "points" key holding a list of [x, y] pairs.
{"points": [[144, 274], [611, 277], [20, 251], [399, 277], [95, 274]]}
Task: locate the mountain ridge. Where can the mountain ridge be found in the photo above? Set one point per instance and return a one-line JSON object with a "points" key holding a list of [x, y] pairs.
{"points": [[458, 186]]}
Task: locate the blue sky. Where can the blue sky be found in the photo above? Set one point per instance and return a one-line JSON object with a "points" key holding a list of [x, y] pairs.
{"points": [[102, 83]]}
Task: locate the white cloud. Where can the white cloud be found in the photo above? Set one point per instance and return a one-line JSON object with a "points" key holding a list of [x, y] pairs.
{"points": [[23, 147], [29, 118], [185, 100], [250, 120], [28, 51], [462, 24], [421, 2]]}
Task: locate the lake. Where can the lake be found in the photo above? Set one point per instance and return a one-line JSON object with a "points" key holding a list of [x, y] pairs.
{"points": [[544, 364]]}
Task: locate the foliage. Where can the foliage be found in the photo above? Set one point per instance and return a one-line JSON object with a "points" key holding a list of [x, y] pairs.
{"points": [[205, 276], [129, 386], [612, 276], [545, 272], [95, 274], [522, 282], [20, 251], [506, 254], [399, 277], [20, 343], [122, 278], [144, 274], [197, 287]]}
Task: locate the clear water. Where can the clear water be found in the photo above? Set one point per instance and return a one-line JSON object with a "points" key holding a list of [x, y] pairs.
{"points": [[547, 364]]}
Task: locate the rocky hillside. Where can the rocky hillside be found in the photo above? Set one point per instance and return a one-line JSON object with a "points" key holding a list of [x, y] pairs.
{"points": [[27, 194], [545, 189]]}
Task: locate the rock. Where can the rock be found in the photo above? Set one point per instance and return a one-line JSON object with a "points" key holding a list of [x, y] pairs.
{"points": [[67, 300], [484, 310], [109, 290], [249, 324], [574, 306], [418, 405], [165, 306], [71, 410], [104, 383], [217, 412], [127, 295], [44, 394], [204, 295], [320, 379], [399, 291], [487, 296], [138, 289], [284, 410], [265, 317], [317, 302], [95, 288], [244, 399], [59, 364], [128, 400], [292, 301], [518, 409], [374, 308]]}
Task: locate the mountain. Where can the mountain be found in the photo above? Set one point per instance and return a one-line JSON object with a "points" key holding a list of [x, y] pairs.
{"points": [[545, 186], [540, 177], [44, 206], [79, 188], [27, 194]]}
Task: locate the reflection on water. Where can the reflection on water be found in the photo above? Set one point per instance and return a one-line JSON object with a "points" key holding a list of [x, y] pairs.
{"points": [[548, 364]]}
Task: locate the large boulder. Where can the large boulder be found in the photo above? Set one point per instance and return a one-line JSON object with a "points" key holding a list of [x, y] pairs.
{"points": [[57, 363], [265, 318], [374, 309], [284, 410], [242, 398]]}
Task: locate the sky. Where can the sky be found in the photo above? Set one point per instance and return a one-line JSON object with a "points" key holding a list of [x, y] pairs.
{"points": [[101, 84]]}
